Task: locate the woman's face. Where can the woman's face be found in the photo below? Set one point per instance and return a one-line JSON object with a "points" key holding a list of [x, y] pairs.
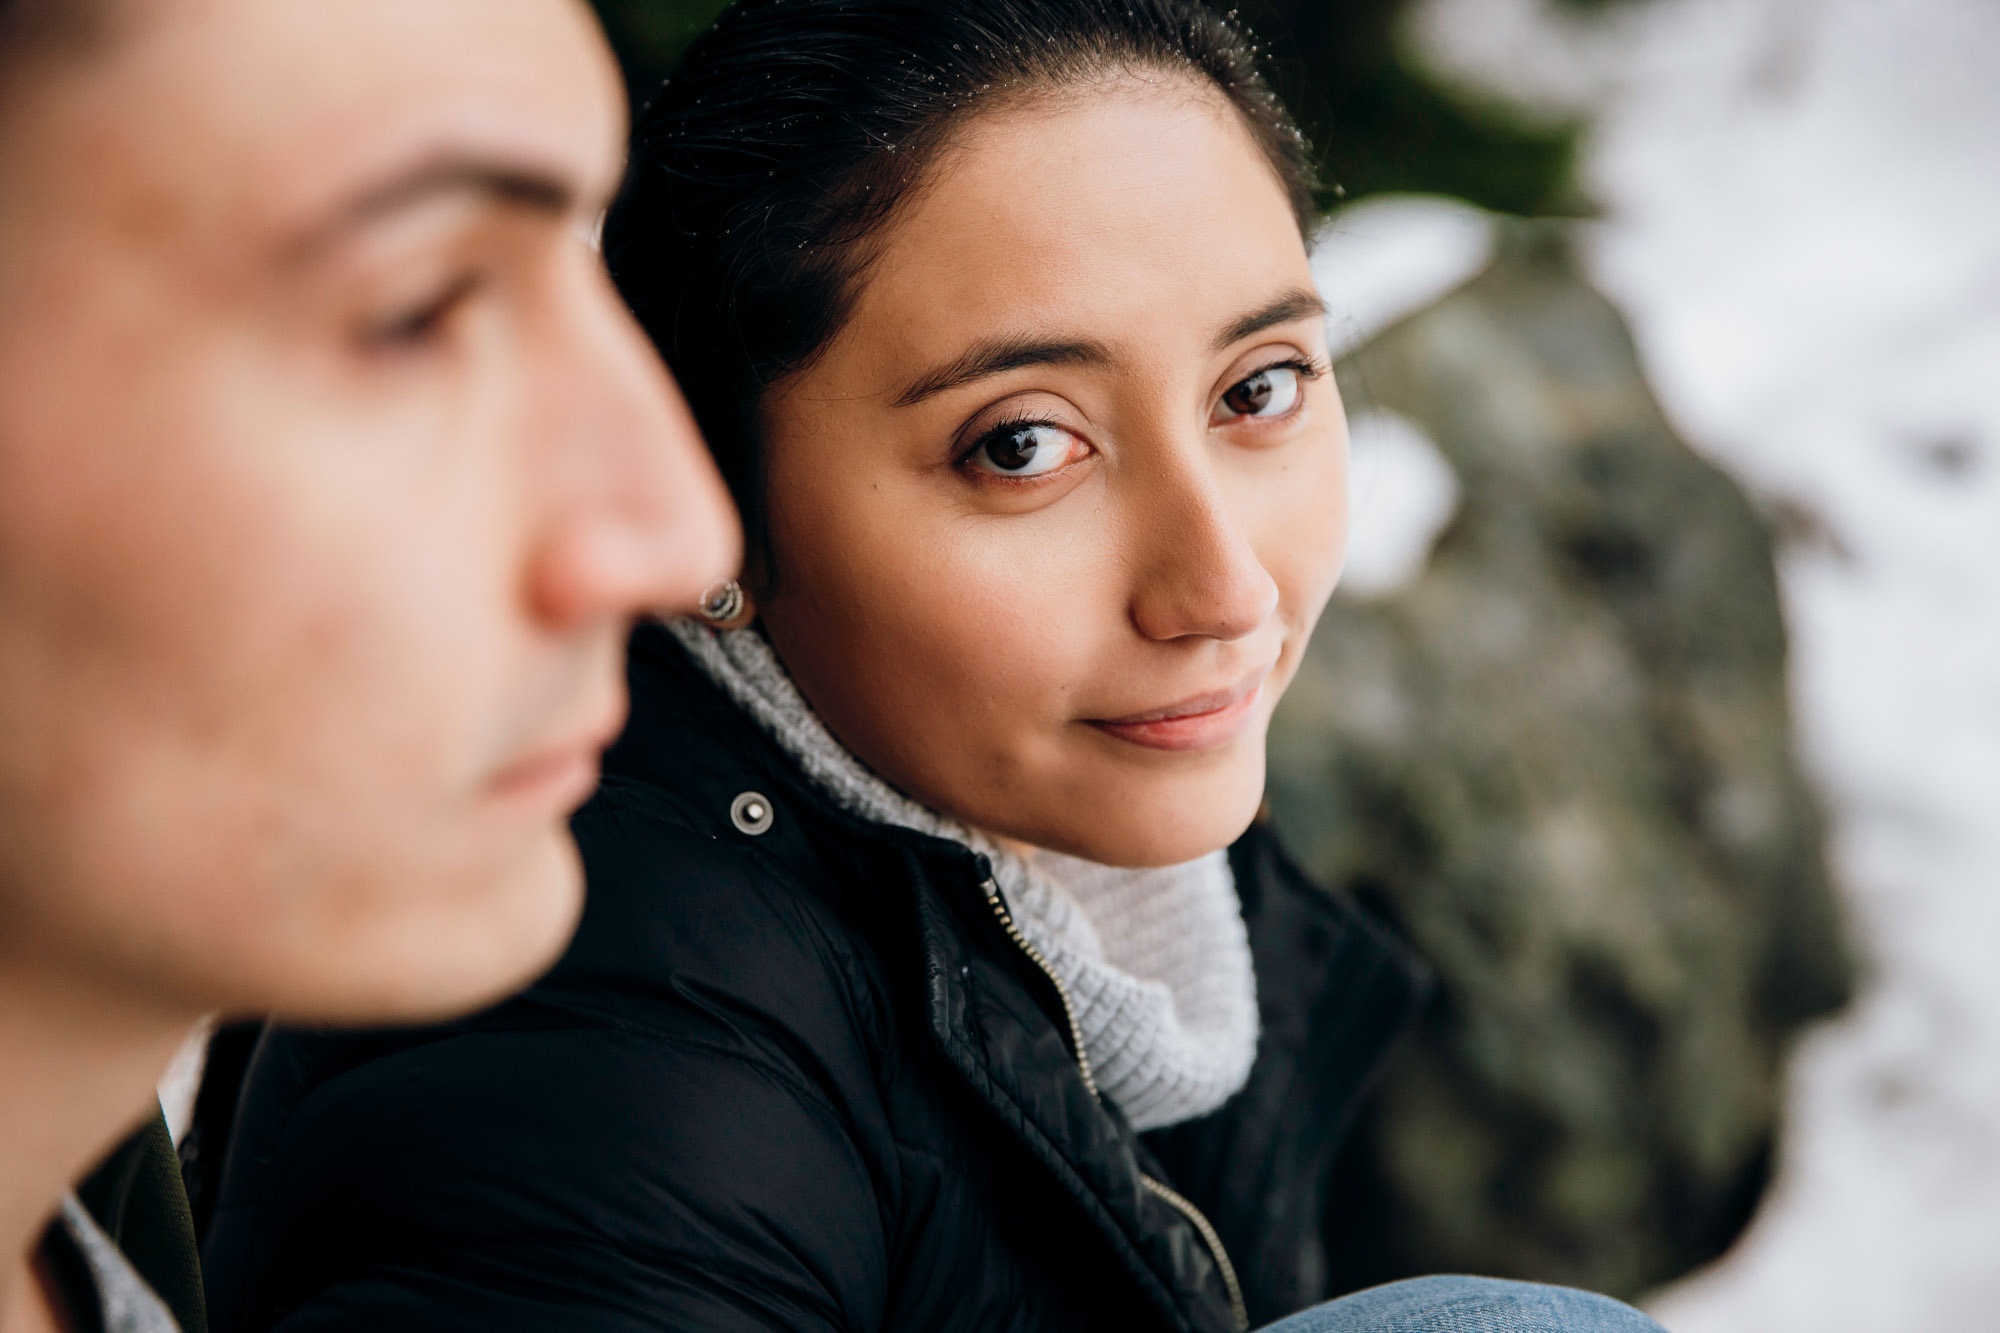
{"points": [[1054, 516]]}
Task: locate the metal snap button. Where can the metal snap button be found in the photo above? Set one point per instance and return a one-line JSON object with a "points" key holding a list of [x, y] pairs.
{"points": [[751, 813]]}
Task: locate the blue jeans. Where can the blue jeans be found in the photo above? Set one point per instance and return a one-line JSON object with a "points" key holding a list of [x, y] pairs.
{"points": [[1468, 1305]]}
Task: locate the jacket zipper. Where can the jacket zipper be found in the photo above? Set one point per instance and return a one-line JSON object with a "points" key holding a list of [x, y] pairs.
{"points": [[1237, 1309], [1173, 1198]]}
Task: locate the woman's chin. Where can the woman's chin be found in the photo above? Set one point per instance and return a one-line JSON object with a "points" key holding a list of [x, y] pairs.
{"points": [[1156, 824]]}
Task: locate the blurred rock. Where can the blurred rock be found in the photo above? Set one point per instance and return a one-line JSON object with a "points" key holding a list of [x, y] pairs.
{"points": [[1561, 762]]}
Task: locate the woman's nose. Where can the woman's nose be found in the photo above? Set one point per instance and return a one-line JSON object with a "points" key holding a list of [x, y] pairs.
{"points": [[1199, 575], [638, 519]]}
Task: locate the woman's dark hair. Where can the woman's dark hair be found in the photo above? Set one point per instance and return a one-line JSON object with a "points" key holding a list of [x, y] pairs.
{"points": [[794, 129]]}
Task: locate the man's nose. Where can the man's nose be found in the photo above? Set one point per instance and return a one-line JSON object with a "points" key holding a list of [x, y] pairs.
{"points": [[648, 525]]}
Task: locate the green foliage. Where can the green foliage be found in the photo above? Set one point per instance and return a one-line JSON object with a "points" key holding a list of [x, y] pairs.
{"points": [[649, 36], [1394, 130], [1382, 122]]}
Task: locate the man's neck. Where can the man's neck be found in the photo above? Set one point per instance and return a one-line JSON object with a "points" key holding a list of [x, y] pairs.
{"points": [[78, 1065], [32, 1303]]}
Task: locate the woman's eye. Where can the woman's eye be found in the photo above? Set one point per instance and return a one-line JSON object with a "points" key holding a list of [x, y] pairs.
{"points": [[1024, 449], [1270, 392]]}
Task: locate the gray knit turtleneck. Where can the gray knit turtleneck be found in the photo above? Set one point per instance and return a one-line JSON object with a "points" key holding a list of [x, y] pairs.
{"points": [[1157, 961]]}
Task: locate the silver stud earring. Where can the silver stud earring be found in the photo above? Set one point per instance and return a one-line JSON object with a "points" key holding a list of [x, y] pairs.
{"points": [[724, 606]]}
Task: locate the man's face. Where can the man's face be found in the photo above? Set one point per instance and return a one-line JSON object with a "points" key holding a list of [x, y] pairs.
{"points": [[331, 472]]}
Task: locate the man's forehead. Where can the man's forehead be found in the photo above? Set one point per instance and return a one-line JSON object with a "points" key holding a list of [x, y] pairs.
{"points": [[270, 115], [530, 98]]}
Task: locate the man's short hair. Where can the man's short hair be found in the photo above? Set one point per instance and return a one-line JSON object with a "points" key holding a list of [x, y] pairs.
{"points": [[30, 27]]}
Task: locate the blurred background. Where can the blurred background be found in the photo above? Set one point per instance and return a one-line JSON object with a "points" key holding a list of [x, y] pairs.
{"points": [[1661, 705]]}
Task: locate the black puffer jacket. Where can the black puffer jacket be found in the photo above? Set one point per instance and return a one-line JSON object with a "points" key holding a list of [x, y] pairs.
{"points": [[796, 1080]]}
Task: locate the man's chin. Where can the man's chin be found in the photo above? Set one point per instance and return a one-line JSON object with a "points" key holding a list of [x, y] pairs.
{"points": [[445, 963]]}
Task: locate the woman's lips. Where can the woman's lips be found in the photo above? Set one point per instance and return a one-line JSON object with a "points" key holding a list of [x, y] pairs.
{"points": [[1199, 723]]}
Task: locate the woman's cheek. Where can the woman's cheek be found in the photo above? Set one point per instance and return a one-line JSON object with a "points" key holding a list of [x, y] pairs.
{"points": [[1302, 540]]}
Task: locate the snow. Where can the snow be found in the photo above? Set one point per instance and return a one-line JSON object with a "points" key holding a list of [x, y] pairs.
{"points": [[1402, 494], [1802, 219], [1376, 263], [1383, 259]]}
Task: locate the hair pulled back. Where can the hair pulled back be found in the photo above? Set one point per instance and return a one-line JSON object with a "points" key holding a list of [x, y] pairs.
{"points": [[794, 129]]}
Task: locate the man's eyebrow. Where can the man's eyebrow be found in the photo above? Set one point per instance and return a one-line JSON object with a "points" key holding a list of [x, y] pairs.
{"points": [[997, 356], [515, 184], [1299, 303]]}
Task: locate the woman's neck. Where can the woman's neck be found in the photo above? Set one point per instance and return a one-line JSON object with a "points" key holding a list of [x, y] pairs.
{"points": [[78, 1063]]}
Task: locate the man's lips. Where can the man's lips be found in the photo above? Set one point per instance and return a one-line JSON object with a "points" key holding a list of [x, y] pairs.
{"points": [[562, 773], [1200, 722]]}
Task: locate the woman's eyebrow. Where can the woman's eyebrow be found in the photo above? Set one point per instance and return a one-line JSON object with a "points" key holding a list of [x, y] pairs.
{"points": [[996, 356], [1298, 303]]}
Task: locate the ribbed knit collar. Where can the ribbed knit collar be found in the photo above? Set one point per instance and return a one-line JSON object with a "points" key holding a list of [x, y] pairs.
{"points": [[1157, 961]]}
